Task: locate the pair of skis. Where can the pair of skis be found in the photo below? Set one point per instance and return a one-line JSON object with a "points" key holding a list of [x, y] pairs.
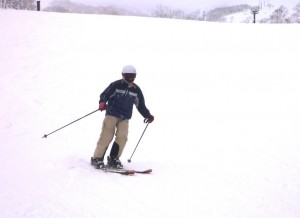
{"points": [[127, 172]]}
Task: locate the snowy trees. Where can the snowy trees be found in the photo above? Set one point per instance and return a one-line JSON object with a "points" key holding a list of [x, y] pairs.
{"points": [[237, 13], [280, 15], [295, 18], [18, 4], [167, 12]]}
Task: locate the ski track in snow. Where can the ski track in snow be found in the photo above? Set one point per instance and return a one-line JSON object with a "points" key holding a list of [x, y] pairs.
{"points": [[224, 143]]}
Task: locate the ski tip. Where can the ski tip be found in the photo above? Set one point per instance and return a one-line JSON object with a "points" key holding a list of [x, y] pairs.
{"points": [[144, 171]]}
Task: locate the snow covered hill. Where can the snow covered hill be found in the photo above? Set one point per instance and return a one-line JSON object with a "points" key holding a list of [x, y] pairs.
{"points": [[225, 141]]}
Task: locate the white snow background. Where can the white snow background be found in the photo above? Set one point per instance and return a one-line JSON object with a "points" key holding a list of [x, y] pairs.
{"points": [[226, 100]]}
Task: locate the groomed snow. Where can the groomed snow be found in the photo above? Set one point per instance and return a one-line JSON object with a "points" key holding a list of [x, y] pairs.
{"points": [[226, 137]]}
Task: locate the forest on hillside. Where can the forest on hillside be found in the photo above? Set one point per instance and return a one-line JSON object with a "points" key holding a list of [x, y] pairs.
{"points": [[277, 15]]}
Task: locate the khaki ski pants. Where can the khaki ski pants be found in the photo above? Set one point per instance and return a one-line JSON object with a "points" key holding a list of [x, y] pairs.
{"points": [[112, 126]]}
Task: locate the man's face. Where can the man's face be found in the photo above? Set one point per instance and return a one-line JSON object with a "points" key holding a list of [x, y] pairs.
{"points": [[129, 77]]}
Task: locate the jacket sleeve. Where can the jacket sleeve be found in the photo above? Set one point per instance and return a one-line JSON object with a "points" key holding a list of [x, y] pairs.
{"points": [[107, 93], [140, 104]]}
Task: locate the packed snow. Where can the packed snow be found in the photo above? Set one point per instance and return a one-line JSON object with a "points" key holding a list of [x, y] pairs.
{"points": [[225, 141]]}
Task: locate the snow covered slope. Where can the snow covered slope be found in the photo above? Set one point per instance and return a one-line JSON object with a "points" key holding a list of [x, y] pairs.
{"points": [[224, 143]]}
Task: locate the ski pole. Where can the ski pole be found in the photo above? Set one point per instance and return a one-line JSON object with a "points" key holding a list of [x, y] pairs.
{"points": [[46, 135], [129, 160]]}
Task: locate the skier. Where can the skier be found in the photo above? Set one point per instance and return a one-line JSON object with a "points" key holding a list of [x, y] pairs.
{"points": [[118, 100]]}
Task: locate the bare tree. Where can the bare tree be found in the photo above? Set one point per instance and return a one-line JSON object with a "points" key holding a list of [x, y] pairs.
{"points": [[296, 16], [178, 14], [3, 4], [167, 12], [280, 15], [162, 11]]}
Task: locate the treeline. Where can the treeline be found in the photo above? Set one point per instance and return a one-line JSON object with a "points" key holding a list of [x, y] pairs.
{"points": [[279, 15], [18, 4]]}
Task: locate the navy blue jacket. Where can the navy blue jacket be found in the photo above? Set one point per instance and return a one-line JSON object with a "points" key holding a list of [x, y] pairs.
{"points": [[120, 97]]}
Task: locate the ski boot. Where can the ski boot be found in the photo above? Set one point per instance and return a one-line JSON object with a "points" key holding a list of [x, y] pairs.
{"points": [[98, 163], [114, 163]]}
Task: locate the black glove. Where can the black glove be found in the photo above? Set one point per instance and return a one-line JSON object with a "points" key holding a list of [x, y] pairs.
{"points": [[149, 119]]}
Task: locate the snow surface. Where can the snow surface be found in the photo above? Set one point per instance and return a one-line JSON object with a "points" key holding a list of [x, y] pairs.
{"points": [[225, 141]]}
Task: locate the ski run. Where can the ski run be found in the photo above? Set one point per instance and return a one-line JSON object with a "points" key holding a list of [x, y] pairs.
{"points": [[225, 142]]}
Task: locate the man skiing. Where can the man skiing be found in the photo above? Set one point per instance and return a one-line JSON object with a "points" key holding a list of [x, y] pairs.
{"points": [[118, 100]]}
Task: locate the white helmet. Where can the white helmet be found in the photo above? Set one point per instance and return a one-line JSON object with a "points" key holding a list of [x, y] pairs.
{"points": [[129, 69]]}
